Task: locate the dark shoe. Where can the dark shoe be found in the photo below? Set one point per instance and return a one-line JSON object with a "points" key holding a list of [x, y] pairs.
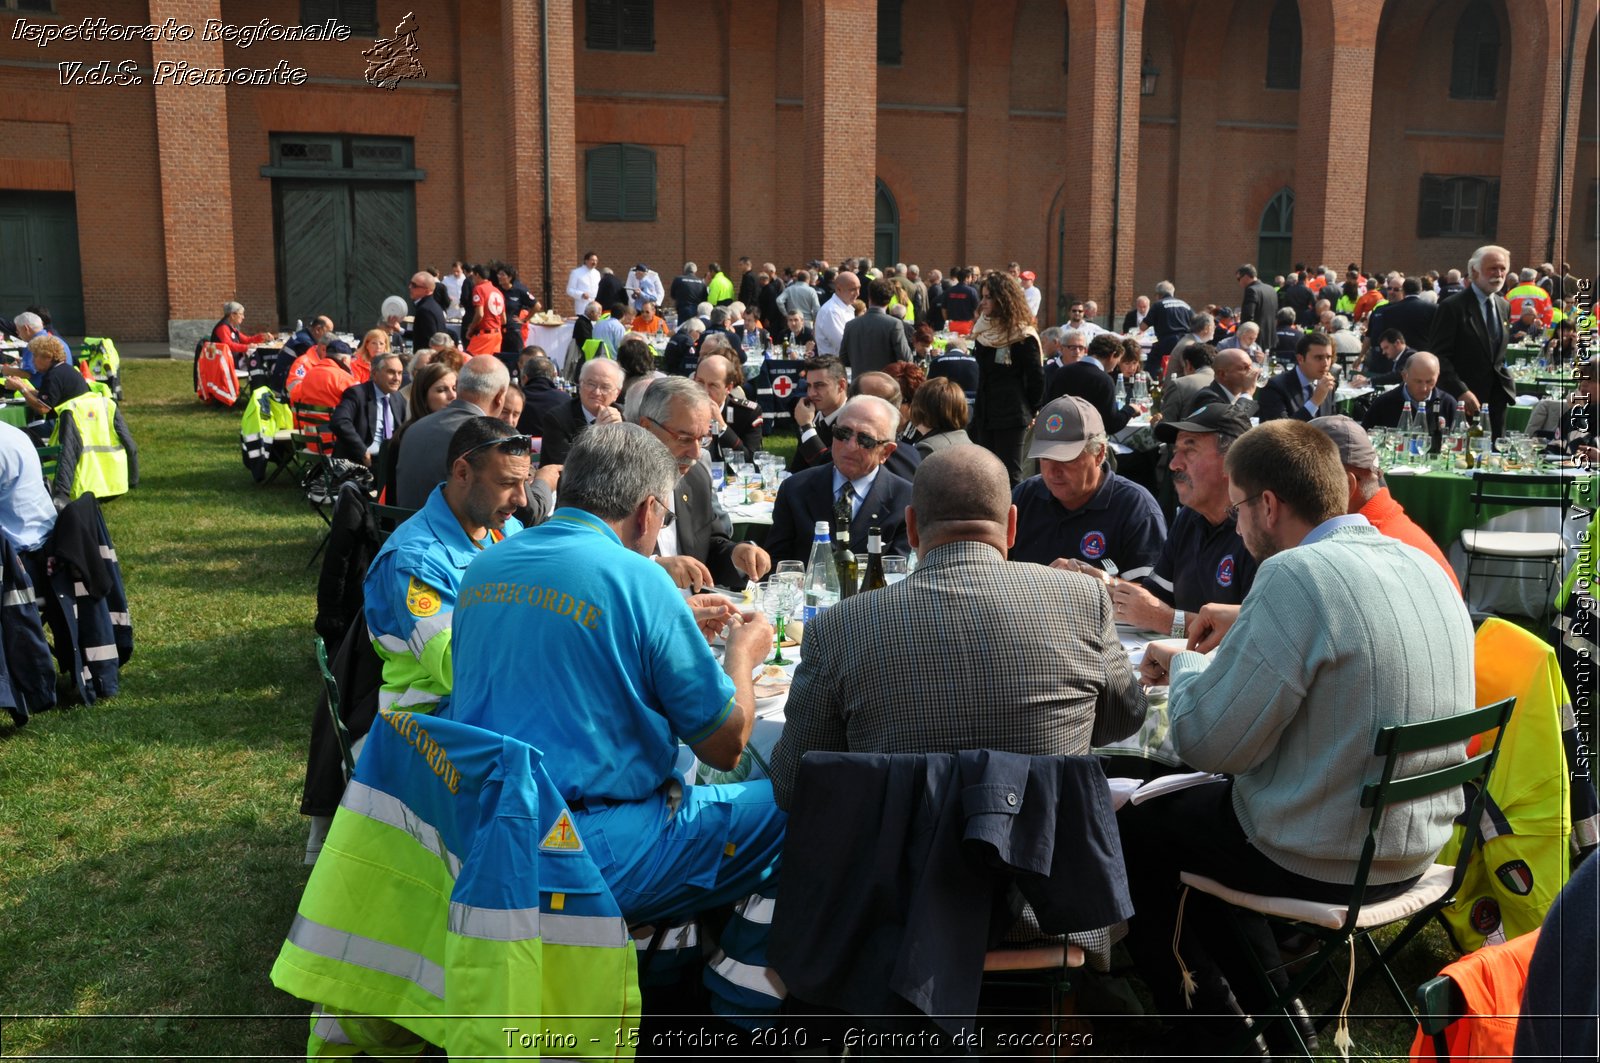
{"points": [[1283, 1043]]}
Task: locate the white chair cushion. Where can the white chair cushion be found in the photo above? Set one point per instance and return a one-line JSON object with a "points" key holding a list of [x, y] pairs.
{"points": [[1513, 543], [1427, 889]]}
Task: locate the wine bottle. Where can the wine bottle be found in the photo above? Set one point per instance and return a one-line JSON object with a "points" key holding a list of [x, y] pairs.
{"points": [[845, 564], [874, 579]]}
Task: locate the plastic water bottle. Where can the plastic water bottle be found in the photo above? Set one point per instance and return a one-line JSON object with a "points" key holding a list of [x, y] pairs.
{"points": [[822, 579]]}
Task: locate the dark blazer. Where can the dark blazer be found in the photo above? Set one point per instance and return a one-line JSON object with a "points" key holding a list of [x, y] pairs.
{"points": [[1386, 409], [687, 294], [1300, 299], [872, 341], [1094, 385], [355, 418], [1260, 305], [562, 427], [1008, 395], [427, 317], [743, 435], [609, 292], [813, 451], [700, 533], [1282, 397], [807, 497], [540, 398], [1130, 320], [1213, 392], [1468, 361], [1410, 315], [420, 466]]}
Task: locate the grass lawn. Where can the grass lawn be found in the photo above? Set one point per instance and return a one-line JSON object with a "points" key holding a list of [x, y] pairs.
{"points": [[153, 842]]}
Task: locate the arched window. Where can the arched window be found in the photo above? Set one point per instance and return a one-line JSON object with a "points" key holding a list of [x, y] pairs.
{"points": [[886, 229], [1475, 56], [1283, 46], [620, 183], [1276, 235]]}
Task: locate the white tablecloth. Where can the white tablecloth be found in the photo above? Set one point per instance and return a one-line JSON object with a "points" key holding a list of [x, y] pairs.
{"points": [[555, 339]]}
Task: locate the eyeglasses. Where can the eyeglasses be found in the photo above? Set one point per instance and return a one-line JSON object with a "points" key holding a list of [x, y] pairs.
{"points": [[667, 516], [1233, 511], [1076, 346], [513, 445], [684, 438], [1077, 310], [595, 387], [842, 434]]}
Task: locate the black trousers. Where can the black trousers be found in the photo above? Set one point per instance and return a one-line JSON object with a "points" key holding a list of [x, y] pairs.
{"points": [[1005, 444], [1196, 830]]}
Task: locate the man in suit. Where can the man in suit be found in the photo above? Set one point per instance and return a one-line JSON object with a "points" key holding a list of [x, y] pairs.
{"points": [[541, 395], [874, 339], [427, 316], [1179, 396], [1305, 391], [827, 387], [863, 438], [736, 423], [599, 388], [1260, 301], [1233, 380], [369, 413], [420, 467], [1299, 298], [1405, 311], [1469, 336], [694, 547], [1054, 681], [1133, 320], [1089, 378], [1419, 387], [1384, 365], [902, 461]]}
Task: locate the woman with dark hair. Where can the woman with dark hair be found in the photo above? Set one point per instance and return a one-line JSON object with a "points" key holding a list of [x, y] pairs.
{"points": [[1010, 371], [910, 376], [939, 415], [922, 342], [432, 389]]}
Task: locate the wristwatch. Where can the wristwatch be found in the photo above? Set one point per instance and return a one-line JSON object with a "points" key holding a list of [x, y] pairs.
{"points": [[1180, 625]]}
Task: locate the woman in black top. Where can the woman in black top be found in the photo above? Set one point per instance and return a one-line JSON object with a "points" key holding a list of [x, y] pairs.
{"points": [[1010, 371], [54, 381]]}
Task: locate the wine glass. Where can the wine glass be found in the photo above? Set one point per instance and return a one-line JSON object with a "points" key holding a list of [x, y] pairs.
{"points": [[894, 569], [776, 598]]}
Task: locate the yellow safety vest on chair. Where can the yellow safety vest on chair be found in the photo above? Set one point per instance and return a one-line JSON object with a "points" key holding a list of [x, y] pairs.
{"points": [[103, 462], [1524, 858]]}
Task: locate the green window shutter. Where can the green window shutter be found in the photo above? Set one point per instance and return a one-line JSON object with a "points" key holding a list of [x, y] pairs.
{"points": [[638, 178], [1430, 205], [603, 183]]}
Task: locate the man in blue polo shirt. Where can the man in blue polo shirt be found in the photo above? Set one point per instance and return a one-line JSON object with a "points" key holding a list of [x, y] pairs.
{"points": [[1204, 560], [1077, 513], [628, 674]]}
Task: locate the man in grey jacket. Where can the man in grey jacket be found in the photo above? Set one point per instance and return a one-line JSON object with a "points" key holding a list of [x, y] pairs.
{"points": [[874, 339]]}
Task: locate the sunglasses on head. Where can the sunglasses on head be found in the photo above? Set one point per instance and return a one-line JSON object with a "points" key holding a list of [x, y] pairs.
{"points": [[841, 434], [512, 445]]}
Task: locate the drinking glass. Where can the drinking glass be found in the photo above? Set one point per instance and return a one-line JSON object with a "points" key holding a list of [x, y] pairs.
{"points": [[777, 601], [894, 569]]}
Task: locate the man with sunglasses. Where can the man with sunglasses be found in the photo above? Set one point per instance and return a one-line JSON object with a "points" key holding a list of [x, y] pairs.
{"points": [[694, 546], [853, 490], [624, 673], [411, 585]]}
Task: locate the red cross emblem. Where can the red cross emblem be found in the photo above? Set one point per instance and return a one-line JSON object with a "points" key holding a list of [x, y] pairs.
{"points": [[781, 386]]}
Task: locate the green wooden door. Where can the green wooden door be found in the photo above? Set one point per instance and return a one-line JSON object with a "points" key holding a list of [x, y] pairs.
{"points": [[383, 245], [314, 251], [39, 257]]}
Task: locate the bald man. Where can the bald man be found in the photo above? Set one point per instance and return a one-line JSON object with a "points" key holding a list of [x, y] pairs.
{"points": [[427, 312], [1419, 386], [1054, 681], [904, 461], [1233, 377]]}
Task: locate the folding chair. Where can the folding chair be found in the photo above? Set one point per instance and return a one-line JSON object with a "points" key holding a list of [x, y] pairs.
{"points": [[331, 686], [313, 442], [387, 518], [49, 458], [1336, 927], [1546, 548]]}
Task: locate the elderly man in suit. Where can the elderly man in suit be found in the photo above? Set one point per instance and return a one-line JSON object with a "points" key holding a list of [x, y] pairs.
{"points": [[1469, 336], [599, 388], [1305, 391], [1055, 681], [369, 413], [1419, 382], [874, 339], [481, 387], [694, 547], [853, 491]]}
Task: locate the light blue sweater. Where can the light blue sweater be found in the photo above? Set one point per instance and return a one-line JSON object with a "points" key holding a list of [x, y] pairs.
{"points": [[1337, 639]]}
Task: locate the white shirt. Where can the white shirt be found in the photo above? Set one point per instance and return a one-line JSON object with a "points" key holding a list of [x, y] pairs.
{"points": [[1088, 328], [582, 284], [834, 315], [1034, 297], [452, 284]]}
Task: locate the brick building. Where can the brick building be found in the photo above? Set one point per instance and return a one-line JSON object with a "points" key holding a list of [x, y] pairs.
{"points": [[1104, 143]]}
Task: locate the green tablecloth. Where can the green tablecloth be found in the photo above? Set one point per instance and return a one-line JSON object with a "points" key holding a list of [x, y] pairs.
{"points": [[1441, 502], [15, 414], [1517, 418]]}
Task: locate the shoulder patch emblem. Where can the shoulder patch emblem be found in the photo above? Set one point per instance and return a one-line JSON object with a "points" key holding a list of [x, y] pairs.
{"points": [[421, 599], [562, 835]]}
